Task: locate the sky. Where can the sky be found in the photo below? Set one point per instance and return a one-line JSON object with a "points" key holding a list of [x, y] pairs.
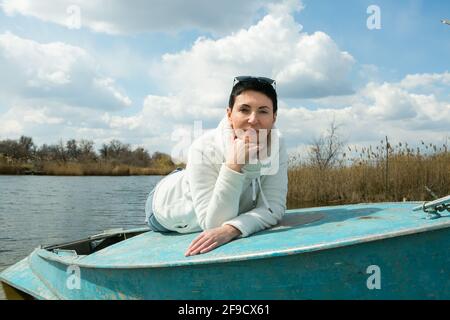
{"points": [[155, 74]]}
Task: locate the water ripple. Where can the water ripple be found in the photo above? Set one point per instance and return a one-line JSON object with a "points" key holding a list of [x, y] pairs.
{"points": [[39, 210]]}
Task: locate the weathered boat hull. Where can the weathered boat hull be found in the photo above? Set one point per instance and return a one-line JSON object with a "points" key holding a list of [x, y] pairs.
{"points": [[404, 265]]}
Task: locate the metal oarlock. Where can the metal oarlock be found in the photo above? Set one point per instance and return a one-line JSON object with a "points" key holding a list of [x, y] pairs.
{"points": [[433, 208]]}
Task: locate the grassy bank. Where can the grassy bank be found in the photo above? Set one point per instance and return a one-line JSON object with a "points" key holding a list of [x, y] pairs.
{"points": [[82, 169]]}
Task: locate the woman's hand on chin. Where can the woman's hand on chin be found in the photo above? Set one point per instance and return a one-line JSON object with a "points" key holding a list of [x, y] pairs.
{"points": [[211, 239]]}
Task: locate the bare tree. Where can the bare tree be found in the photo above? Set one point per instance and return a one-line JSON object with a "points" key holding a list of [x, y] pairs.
{"points": [[26, 147], [72, 149], [141, 157], [61, 152], [22, 149], [87, 151], [116, 150], [325, 150]]}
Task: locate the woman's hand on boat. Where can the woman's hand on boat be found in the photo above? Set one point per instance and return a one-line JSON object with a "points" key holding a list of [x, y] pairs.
{"points": [[211, 239]]}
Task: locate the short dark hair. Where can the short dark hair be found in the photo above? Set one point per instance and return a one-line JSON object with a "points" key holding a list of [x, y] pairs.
{"points": [[255, 85]]}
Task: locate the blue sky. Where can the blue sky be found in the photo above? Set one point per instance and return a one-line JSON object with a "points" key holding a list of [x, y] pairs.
{"points": [[411, 38], [144, 73]]}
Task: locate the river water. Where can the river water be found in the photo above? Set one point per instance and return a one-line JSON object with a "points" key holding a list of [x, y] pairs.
{"points": [[39, 210]]}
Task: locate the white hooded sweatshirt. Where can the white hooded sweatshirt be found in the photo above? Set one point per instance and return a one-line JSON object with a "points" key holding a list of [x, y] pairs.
{"points": [[208, 194]]}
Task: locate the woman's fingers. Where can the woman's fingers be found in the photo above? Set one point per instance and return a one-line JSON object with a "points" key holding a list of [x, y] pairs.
{"points": [[243, 150], [212, 246], [252, 152], [248, 146], [194, 243], [201, 235], [200, 246]]}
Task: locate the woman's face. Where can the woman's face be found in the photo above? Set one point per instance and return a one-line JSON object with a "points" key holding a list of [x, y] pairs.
{"points": [[251, 110]]}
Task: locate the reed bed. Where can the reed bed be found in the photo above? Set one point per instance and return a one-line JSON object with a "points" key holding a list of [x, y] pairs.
{"points": [[400, 174], [101, 169], [12, 169], [82, 169]]}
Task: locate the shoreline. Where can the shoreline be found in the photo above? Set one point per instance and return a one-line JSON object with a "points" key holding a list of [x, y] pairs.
{"points": [[83, 169]]}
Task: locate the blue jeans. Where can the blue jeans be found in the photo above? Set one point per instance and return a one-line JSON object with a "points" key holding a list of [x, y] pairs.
{"points": [[150, 217]]}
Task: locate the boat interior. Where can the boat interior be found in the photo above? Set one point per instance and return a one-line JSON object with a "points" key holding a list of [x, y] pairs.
{"points": [[96, 242]]}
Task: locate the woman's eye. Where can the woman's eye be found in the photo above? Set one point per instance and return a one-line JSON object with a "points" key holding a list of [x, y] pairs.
{"points": [[245, 110]]}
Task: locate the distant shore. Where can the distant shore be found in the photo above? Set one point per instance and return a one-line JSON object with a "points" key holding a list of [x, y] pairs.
{"points": [[81, 169], [401, 177], [79, 158]]}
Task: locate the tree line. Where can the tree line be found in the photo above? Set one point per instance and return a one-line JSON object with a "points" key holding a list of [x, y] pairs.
{"points": [[83, 151]]}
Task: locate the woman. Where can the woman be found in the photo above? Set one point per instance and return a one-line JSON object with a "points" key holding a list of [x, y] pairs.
{"points": [[231, 187]]}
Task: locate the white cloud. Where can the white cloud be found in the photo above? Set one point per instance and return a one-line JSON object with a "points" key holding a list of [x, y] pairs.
{"points": [[315, 68], [303, 65], [122, 17], [55, 82], [436, 83], [107, 85], [198, 81], [56, 72], [10, 128], [42, 116], [375, 111], [389, 102], [281, 8], [426, 79], [20, 119]]}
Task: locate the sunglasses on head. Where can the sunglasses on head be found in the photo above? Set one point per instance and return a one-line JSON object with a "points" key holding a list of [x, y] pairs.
{"points": [[272, 82]]}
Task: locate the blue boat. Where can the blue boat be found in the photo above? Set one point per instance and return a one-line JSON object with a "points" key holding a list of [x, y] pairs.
{"points": [[361, 251]]}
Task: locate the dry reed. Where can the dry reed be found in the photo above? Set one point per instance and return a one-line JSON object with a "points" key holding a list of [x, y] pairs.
{"points": [[372, 177]]}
